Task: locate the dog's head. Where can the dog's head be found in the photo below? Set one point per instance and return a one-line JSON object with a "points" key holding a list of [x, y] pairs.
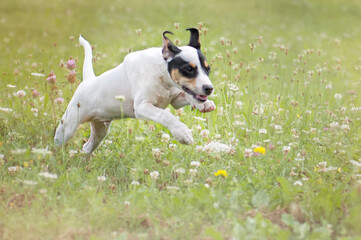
{"points": [[188, 67]]}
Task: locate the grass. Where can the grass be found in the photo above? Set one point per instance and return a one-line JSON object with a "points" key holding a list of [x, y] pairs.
{"points": [[287, 82]]}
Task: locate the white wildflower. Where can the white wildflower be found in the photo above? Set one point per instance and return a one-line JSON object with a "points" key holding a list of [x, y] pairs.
{"points": [[180, 170], [154, 175], [193, 172], [172, 147], [35, 111], [248, 152], [165, 138], [48, 175], [338, 96], [216, 147], [355, 163], [239, 104], [41, 151], [172, 188], [126, 204], [38, 74], [286, 149], [233, 87], [30, 182], [345, 127], [204, 133], [195, 164], [11, 86], [199, 148], [5, 109], [72, 153], [262, 131], [334, 124], [18, 151], [156, 153], [102, 178], [188, 181], [200, 119], [14, 168], [120, 98], [297, 183], [299, 158], [135, 183], [20, 93]]}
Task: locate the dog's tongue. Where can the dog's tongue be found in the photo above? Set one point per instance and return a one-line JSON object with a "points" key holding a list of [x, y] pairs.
{"points": [[201, 97]]}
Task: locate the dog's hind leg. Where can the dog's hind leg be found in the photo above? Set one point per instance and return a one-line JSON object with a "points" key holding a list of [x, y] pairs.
{"points": [[99, 130]]}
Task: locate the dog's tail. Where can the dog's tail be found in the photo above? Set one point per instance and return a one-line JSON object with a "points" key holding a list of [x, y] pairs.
{"points": [[88, 71]]}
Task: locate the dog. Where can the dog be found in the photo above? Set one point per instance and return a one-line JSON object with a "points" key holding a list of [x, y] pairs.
{"points": [[147, 81]]}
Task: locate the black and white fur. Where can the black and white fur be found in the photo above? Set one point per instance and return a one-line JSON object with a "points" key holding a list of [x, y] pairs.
{"points": [[149, 80]]}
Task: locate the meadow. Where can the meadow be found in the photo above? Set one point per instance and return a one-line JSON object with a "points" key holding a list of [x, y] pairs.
{"points": [[279, 158]]}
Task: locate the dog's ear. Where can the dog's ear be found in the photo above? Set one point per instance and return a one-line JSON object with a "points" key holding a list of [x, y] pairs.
{"points": [[169, 49], [194, 40]]}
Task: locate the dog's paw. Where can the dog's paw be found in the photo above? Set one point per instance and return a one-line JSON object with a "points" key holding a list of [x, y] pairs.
{"points": [[182, 134], [207, 106]]}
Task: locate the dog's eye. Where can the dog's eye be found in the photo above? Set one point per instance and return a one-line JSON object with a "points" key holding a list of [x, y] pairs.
{"points": [[189, 69]]}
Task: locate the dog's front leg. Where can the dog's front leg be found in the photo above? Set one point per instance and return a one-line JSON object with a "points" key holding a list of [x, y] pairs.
{"points": [[146, 110], [184, 99]]}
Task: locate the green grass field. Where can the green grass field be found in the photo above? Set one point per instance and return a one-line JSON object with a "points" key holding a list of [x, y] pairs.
{"points": [[287, 77]]}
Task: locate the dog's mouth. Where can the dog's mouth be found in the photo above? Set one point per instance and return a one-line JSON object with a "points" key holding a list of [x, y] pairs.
{"points": [[200, 98]]}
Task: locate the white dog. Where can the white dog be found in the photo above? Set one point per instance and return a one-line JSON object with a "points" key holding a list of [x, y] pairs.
{"points": [[149, 80]]}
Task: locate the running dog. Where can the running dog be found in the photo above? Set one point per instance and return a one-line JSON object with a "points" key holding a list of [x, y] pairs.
{"points": [[146, 83]]}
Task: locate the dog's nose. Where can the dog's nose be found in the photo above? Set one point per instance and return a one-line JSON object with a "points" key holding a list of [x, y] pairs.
{"points": [[207, 89]]}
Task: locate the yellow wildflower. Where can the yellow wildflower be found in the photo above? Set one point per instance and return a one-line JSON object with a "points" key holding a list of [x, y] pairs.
{"points": [[26, 164], [222, 173], [260, 150]]}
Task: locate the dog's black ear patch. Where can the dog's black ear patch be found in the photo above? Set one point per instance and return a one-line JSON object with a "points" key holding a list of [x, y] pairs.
{"points": [[169, 49], [204, 64], [194, 39]]}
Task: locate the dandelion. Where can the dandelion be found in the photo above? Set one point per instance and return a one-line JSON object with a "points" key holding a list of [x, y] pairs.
{"points": [[195, 164], [102, 178], [48, 175], [154, 175], [262, 131], [20, 93], [70, 64], [165, 138], [261, 150], [297, 183], [222, 173]]}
